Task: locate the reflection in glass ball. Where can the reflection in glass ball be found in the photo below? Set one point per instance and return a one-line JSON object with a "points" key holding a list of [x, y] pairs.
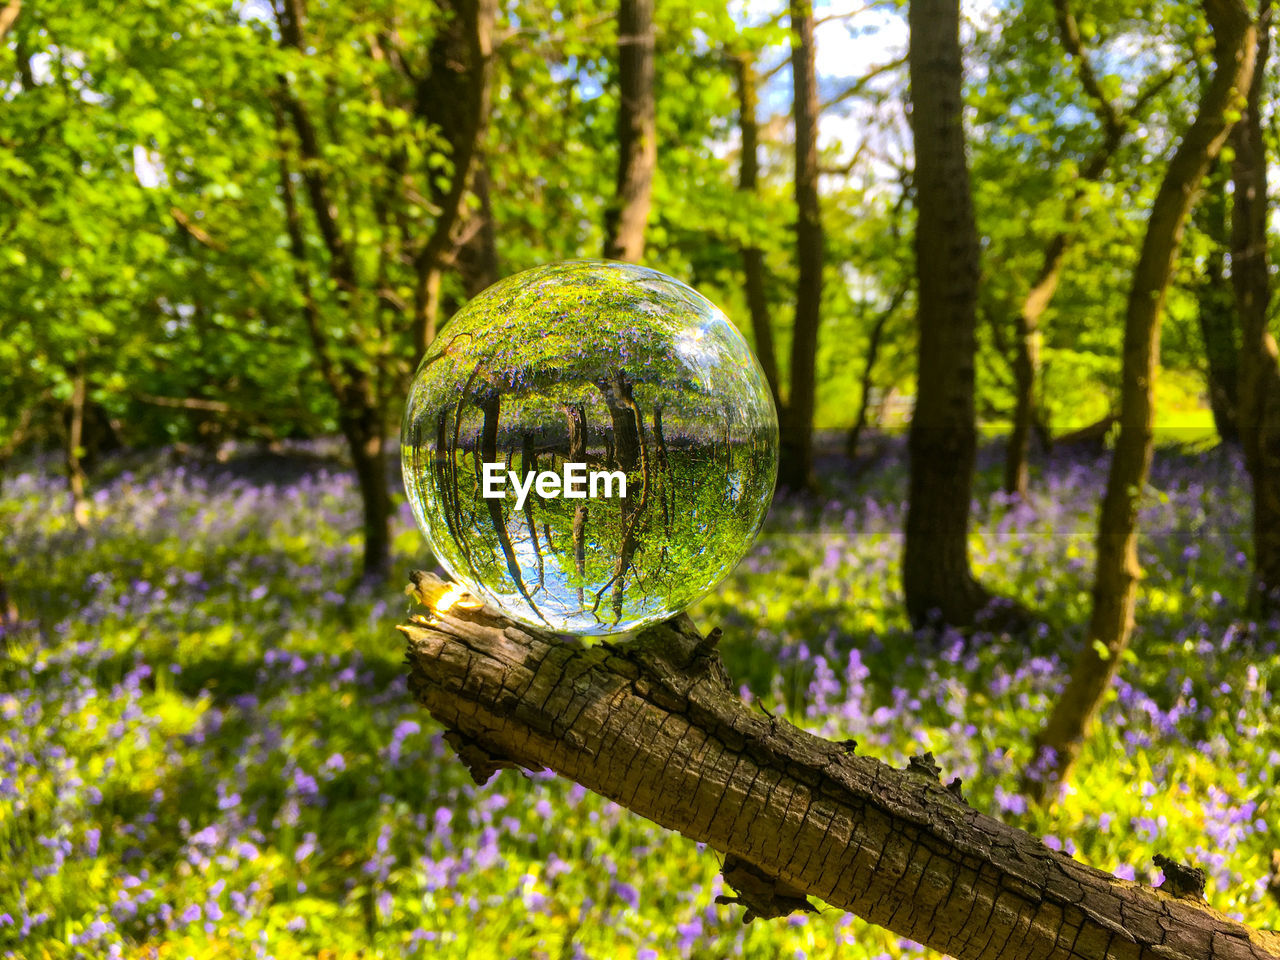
{"points": [[591, 446]]}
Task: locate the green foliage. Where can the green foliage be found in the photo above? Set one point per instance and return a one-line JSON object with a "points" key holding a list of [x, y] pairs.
{"points": [[145, 237]]}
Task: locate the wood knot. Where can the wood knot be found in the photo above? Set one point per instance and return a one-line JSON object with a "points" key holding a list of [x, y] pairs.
{"points": [[706, 659], [710, 641], [1181, 879], [764, 895], [922, 764], [954, 788]]}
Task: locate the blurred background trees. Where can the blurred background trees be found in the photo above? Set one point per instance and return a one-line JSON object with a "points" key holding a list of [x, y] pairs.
{"points": [[247, 220]]}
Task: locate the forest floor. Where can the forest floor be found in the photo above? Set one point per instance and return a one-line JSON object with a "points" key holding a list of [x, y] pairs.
{"points": [[207, 748]]}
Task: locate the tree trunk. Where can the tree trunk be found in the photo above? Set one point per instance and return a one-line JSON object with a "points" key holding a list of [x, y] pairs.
{"points": [[360, 417], [1026, 364], [365, 441], [637, 134], [627, 429], [529, 467], [478, 255], [577, 417], [942, 444], [1218, 316], [454, 95], [655, 724], [795, 469], [1117, 572], [9, 14], [1259, 368], [488, 453], [8, 610], [77, 482], [753, 268], [868, 370]]}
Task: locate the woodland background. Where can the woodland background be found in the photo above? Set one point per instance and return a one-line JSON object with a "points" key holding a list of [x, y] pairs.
{"points": [[227, 232]]}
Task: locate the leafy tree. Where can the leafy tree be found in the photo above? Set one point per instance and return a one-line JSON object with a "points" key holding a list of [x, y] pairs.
{"points": [[1117, 571]]}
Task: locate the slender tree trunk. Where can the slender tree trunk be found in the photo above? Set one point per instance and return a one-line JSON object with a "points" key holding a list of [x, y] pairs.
{"points": [[8, 15], [936, 577], [454, 95], [1026, 368], [1218, 315], [657, 725], [627, 430], [365, 440], [753, 267], [663, 458], [488, 453], [1259, 367], [627, 216], [1026, 363], [529, 466], [1117, 572], [8, 610], [577, 417], [77, 482], [868, 370], [478, 255], [795, 468], [361, 418]]}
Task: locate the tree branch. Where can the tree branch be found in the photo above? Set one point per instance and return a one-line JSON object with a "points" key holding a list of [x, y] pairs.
{"points": [[9, 16], [194, 230], [1105, 110], [289, 19], [298, 252], [856, 88], [654, 724]]}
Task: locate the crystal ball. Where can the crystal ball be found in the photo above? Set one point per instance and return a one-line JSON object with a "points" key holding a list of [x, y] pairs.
{"points": [[590, 446]]}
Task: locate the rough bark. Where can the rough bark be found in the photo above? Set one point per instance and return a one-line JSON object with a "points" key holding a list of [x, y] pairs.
{"points": [[1217, 314], [1117, 572], [753, 268], [1259, 412], [795, 467], [626, 217], [455, 96], [655, 724], [942, 444]]}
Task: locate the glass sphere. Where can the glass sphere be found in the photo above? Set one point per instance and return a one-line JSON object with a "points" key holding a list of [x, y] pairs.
{"points": [[591, 446]]}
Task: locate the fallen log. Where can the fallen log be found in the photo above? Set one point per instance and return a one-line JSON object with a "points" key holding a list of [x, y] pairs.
{"points": [[653, 723]]}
